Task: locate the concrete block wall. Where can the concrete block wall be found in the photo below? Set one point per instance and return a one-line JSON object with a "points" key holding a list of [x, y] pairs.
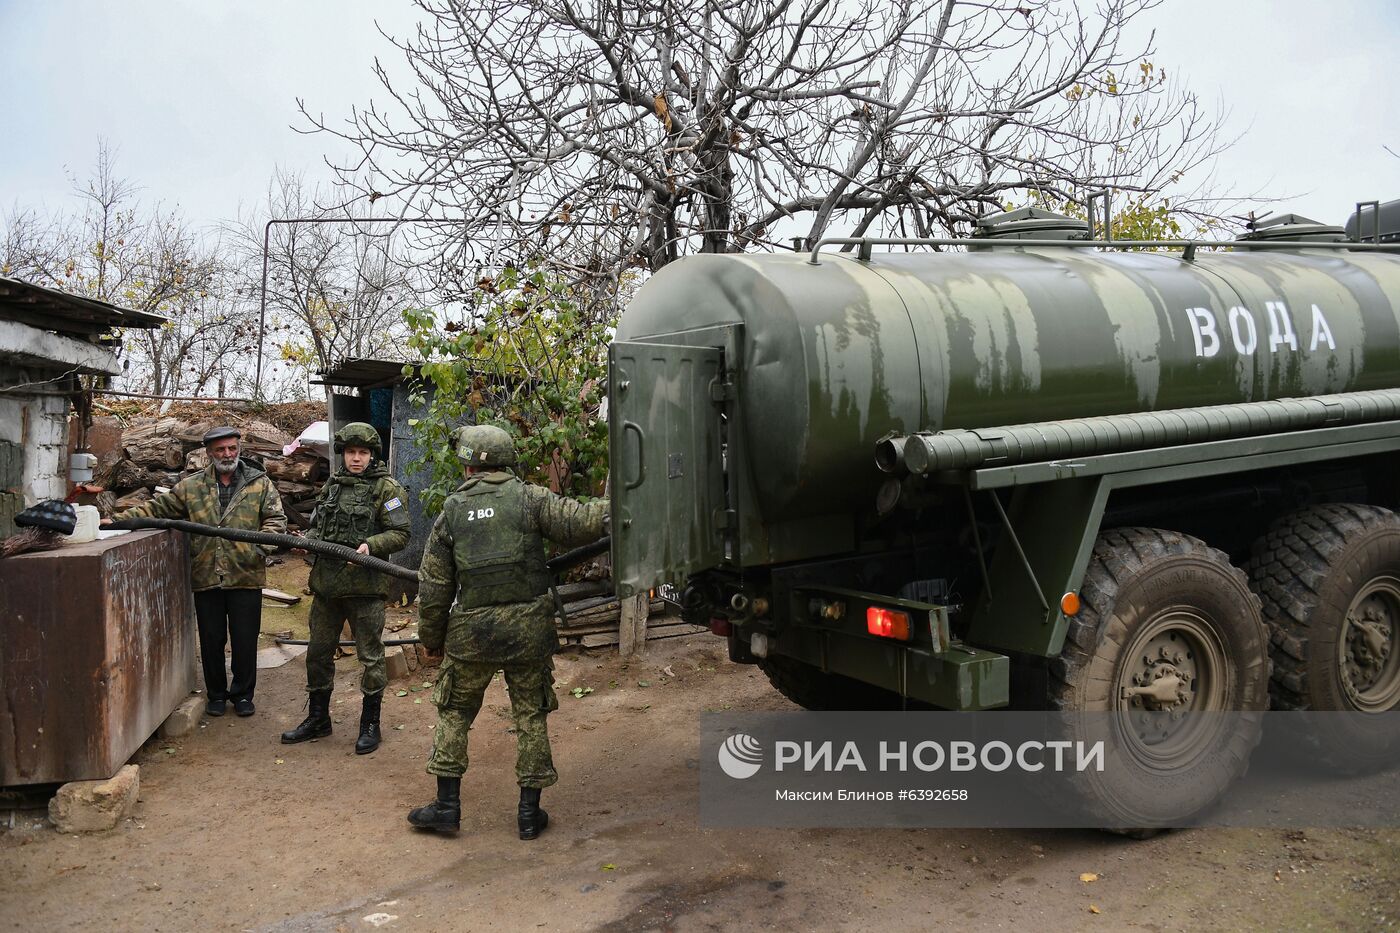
{"points": [[33, 442]]}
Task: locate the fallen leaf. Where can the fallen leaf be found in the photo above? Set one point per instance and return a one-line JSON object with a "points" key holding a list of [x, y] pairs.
{"points": [[667, 671], [609, 866], [400, 693], [399, 727], [1278, 876], [1088, 877], [418, 700], [643, 683], [581, 692], [1093, 909], [427, 683], [280, 761]]}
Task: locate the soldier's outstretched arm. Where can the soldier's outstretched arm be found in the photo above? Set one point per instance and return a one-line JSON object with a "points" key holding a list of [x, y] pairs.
{"points": [[437, 586], [567, 521]]}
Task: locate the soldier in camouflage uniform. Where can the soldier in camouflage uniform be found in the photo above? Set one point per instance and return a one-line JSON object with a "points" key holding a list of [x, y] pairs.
{"points": [[228, 576], [363, 507], [486, 552]]}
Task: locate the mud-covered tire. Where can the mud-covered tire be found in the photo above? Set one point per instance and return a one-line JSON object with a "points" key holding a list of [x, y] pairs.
{"points": [[1148, 591], [1313, 570], [813, 689]]}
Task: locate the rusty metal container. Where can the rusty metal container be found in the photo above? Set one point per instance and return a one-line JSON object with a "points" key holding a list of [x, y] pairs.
{"points": [[97, 646]]}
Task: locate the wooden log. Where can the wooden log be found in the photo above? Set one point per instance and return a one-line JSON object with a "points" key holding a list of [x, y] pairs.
{"points": [[632, 626], [590, 602], [155, 444], [286, 599], [297, 468], [124, 475], [569, 592]]}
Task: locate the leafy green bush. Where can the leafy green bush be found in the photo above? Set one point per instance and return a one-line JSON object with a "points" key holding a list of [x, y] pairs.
{"points": [[530, 360]]}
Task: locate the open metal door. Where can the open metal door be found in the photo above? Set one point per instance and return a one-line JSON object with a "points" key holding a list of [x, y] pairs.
{"points": [[668, 505]]}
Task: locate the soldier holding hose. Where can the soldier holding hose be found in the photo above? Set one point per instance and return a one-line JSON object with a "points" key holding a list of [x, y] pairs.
{"points": [[483, 599], [363, 507]]}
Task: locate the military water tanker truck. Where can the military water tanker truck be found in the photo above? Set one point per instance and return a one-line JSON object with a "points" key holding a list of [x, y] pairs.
{"points": [[1033, 470]]}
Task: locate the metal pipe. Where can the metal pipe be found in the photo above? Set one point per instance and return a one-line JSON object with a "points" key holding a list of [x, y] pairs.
{"points": [[172, 398], [1190, 246], [1078, 437], [267, 232]]}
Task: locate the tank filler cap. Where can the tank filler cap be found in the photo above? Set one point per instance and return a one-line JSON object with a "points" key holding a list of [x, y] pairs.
{"points": [[1292, 227], [1031, 223]]}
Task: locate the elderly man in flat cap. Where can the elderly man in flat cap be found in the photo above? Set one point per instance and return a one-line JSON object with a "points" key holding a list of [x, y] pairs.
{"points": [[228, 576]]}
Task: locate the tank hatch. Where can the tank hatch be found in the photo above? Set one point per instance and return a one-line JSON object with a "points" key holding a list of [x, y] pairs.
{"points": [[1292, 227], [1031, 223]]}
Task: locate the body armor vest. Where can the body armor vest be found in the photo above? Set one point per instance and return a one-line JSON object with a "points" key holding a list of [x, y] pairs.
{"points": [[498, 551], [347, 516]]}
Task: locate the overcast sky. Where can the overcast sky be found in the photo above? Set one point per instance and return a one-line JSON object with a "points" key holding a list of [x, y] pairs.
{"points": [[197, 98]]}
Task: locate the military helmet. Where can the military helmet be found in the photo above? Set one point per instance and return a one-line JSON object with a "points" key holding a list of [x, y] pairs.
{"points": [[484, 445], [357, 434]]}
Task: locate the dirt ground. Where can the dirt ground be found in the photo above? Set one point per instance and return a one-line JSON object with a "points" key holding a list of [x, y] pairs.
{"points": [[235, 831]]}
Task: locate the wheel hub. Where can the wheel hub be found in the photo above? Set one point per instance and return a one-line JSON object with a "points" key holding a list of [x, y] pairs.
{"points": [[1175, 666], [1367, 657]]}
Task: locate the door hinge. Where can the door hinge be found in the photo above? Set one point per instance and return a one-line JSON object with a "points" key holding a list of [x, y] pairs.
{"points": [[723, 389]]}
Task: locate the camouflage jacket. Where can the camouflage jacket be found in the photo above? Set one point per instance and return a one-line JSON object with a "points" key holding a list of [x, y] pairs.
{"points": [[368, 508], [255, 506], [477, 629]]}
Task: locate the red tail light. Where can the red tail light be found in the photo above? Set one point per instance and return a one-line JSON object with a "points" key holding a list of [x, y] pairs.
{"points": [[887, 623]]}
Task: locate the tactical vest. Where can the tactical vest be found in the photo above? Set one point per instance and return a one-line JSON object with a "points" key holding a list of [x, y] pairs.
{"points": [[347, 514], [498, 551]]}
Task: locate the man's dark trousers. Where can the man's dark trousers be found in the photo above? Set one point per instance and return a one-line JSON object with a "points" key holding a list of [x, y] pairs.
{"points": [[235, 616]]}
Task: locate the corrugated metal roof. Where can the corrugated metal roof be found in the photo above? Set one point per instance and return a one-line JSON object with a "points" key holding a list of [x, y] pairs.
{"points": [[52, 309]]}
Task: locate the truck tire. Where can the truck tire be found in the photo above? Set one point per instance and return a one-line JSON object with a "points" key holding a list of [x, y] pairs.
{"points": [[1329, 580], [1160, 610], [813, 689]]}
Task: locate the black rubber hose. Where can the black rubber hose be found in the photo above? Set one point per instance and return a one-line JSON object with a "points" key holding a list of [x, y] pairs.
{"points": [[270, 540], [562, 562], [387, 643], [578, 555]]}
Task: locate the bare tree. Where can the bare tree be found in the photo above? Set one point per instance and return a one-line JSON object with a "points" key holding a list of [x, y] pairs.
{"points": [[335, 290], [605, 134], [116, 250]]}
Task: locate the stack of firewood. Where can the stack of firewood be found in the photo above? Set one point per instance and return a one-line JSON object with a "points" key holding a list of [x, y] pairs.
{"points": [[591, 616], [148, 455]]}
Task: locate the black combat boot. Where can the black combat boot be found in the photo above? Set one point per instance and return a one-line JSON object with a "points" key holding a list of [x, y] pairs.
{"points": [[369, 724], [531, 819], [317, 723], [444, 814]]}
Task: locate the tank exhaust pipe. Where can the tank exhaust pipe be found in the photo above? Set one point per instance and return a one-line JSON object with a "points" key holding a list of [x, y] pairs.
{"points": [[1082, 437], [889, 453]]}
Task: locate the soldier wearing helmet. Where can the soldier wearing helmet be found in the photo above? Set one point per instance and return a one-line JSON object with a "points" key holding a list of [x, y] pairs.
{"points": [[363, 507], [483, 600]]}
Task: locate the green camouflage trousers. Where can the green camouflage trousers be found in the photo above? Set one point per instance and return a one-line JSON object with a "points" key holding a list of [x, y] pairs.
{"points": [[366, 616], [458, 694]]}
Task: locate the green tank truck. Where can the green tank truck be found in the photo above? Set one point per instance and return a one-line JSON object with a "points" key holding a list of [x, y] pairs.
{"points": [[1032, 470]]}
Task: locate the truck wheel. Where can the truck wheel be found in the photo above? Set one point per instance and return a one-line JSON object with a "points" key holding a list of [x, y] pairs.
{"points": [[1329, 580], [1166, 627], [811, 688]]}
